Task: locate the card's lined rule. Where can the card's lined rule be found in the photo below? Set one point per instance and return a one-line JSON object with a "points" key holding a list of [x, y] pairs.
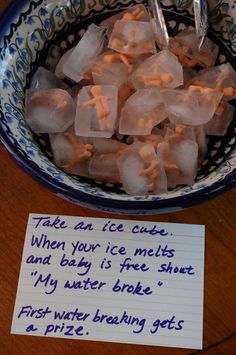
{"points": [[111, 280]]}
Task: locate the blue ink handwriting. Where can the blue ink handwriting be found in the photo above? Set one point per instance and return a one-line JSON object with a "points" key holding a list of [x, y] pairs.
{"points": [[160, 251], [151, 231], [115, 249], [170, 324], [45, 243], [46, 281], [106, 264], [83, 227], [85, 284], [128, 264], [84, 247], [169, 268], [67, 330], [100, 317], [72, 315], [32, 259], [113, 227], [31, 328], [38, 313], [137, 289], [51, 222], [81, 264]]}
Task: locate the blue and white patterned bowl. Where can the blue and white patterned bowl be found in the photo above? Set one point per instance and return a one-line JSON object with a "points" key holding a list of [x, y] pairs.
{"points": [[27, 29]]}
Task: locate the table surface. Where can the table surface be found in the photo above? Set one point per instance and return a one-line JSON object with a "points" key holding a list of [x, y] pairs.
{"points": [[21, 195]]}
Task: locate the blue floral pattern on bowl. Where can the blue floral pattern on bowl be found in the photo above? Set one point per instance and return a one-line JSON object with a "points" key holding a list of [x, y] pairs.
{"points": [[25, 38]]}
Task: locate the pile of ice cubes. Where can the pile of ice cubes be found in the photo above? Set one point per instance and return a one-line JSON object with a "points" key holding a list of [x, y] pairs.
{"points": [[117, 84]]}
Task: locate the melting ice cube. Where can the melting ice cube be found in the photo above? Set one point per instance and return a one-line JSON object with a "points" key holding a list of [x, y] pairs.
{"points": [[103, 165], [142, 111], [141, 170], [59, 68], [43, 79], [190, 108], [111, 68], [185, 45], [88, 48], [132, 37], [218, 79], [71, 153], [49, 111], [135, 13], [162, 70], [180, 160], [220, 122], [53, 57], [96, 111]]}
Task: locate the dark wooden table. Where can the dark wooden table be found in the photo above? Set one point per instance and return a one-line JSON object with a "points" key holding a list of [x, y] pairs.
{"points": [[21, 195]]}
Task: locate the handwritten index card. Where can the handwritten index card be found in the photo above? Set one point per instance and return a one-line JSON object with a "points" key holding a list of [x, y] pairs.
{"points": [[111, 280]]}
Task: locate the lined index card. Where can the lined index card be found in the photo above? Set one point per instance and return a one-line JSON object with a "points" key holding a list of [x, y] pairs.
{"points": [[111, 280]]}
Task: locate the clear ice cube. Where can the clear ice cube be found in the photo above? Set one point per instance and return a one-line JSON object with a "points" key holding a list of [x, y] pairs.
{"points": [[142, 111], [190, 108], [132, 37], [220, 122], [103, 165], [71, 153], [221, 78], [153, 139], [88, 48], [49, 111], [53, 57], [43, 79], [161, 70], [135, 13], [185, 45], [180, 160], [106, 146], [104, 168], [141, 170], [110, 69], [96, 113], [59, 68]]}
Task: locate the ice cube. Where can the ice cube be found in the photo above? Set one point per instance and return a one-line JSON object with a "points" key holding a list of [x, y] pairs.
{"points": [[43, 79], [96, 113], [132, 37], [153, 139], [49, 111], [104, 168], [221, 78], [178, 132], [175, 133], [220, 122], [190, 108], [180, 160], [111, 69], [59, 68], [88, 48], [53, 57], [135, 13], [202, 141], [141, 170], [71, 153], [162, 70], [142, 111], [106, 146], [103, 165], [188, 75], [185, 46]]}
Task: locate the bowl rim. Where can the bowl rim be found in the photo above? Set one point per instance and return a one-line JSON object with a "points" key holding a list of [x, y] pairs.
{"points": [[114, 205]]}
